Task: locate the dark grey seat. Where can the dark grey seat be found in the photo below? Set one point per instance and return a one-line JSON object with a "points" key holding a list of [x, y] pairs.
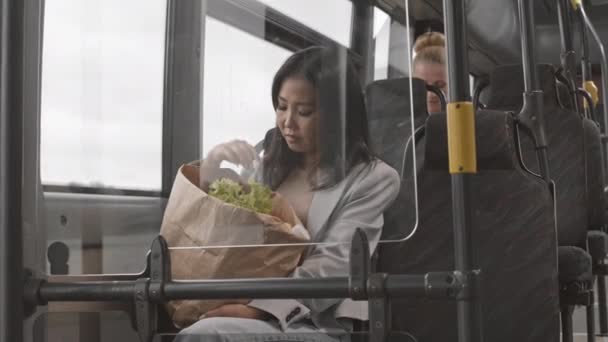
{"points": [[389, 117], [513, 230], [597, 239], [565, 135], [569, 171], [390, 132]]}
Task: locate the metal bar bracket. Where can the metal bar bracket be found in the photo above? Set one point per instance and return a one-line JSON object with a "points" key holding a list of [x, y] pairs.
{"points": [[31, 290], [146, 313], [372, 287], [359, 265], [379, 308], [149, 292], [441, 285]]}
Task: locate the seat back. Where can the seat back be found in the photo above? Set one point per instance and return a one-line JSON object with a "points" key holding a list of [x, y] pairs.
{"points": [[594, 177], [390, 125], [513, 236], [566, 146], [389, 116]]}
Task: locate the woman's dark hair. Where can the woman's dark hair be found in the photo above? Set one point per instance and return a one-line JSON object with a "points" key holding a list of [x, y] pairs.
{"points": [[343, 131]]}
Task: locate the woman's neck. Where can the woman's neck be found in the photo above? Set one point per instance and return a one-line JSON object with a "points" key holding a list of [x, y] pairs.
{"points": [[310, 162]]}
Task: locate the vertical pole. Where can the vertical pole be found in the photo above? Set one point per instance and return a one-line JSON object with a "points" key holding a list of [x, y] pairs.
{"points": [[586, 68], [362, 38], [590, 313], [565, 29], [601, 294], [526, 17], [183, 87], [568, 56], [567, 329], [34, 233], [463, 165], [533, 96], [585, 61], [11, 116]]}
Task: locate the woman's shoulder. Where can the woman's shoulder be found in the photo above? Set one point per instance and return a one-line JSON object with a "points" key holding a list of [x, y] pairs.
{"points": [[375, 175], [377, 171], [385, 171]]}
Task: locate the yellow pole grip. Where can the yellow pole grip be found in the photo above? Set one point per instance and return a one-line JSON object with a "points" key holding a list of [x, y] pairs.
{"points": [[591, 88], [461, 138], [576, 3]]}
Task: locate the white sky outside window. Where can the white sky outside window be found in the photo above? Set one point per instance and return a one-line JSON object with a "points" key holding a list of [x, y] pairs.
{"points": [[382, 29], [102, 90], [102, 85], [238, 78]]}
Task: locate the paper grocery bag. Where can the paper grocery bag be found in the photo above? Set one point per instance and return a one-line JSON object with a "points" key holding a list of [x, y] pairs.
{"points": [[195, 219]]}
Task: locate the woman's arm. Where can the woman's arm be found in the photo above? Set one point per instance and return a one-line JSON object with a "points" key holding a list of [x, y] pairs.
{"points": [[370, 197]]}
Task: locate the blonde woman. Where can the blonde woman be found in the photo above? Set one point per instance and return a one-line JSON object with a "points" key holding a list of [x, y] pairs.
{"points": [[430, 65]]}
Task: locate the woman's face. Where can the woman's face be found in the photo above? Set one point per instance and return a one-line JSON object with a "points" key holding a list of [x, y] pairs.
{"points": [[297, 115], [434, 74]]}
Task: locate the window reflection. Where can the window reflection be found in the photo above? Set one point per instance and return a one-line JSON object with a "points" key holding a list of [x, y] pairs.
{"points": [[239, 68]]}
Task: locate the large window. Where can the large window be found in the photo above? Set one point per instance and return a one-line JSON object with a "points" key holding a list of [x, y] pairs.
{"points": [[102, 93], [239, 68], [382, 33]]}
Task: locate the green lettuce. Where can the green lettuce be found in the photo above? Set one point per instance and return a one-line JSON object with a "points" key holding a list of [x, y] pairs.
{"points": [[258, 199]]}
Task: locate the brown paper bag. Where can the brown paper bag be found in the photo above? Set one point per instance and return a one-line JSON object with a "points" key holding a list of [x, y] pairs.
{"points": [[195, 219]]}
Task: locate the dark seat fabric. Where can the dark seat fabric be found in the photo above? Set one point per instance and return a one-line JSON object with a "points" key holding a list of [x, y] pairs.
{"points": [[597, 244], [390, 124], [513, 231], [390, 119], [574, 265], [594, 162], [566, 147], [599, 113], [597, 239]]}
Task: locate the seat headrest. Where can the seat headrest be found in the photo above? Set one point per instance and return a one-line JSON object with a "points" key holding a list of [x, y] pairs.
{"points": [[391, 98], [507, 87], [495, 142]]}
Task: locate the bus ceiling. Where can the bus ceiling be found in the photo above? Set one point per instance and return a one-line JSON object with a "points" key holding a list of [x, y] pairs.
{"points": [[494, 37]]}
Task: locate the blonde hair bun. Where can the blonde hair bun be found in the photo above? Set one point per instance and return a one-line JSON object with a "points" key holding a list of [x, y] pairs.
{"points": [[429, 39]]}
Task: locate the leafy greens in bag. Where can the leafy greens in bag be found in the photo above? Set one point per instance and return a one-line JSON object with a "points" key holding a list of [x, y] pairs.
{"points": [[258, 199]]}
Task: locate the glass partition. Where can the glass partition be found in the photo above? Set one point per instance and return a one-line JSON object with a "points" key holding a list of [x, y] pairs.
{"points": [[294, 147], [276, 108]]}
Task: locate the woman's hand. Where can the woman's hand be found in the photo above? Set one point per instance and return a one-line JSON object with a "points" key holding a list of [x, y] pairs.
{"points": [[238, 311], [238, 152]]}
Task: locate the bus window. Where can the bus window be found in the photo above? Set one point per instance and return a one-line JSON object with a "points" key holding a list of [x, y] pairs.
{"points": [[236, 96], [334, 22], [382, 31], [102, 93], [101, 127]]}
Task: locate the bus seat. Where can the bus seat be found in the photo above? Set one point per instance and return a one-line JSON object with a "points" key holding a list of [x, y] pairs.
{"points": [[594, 162], [390, 131], [512, 212], [390, 120], [567, 154], [565, 139], [597, 239], [571, 262], [566, 147]]}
